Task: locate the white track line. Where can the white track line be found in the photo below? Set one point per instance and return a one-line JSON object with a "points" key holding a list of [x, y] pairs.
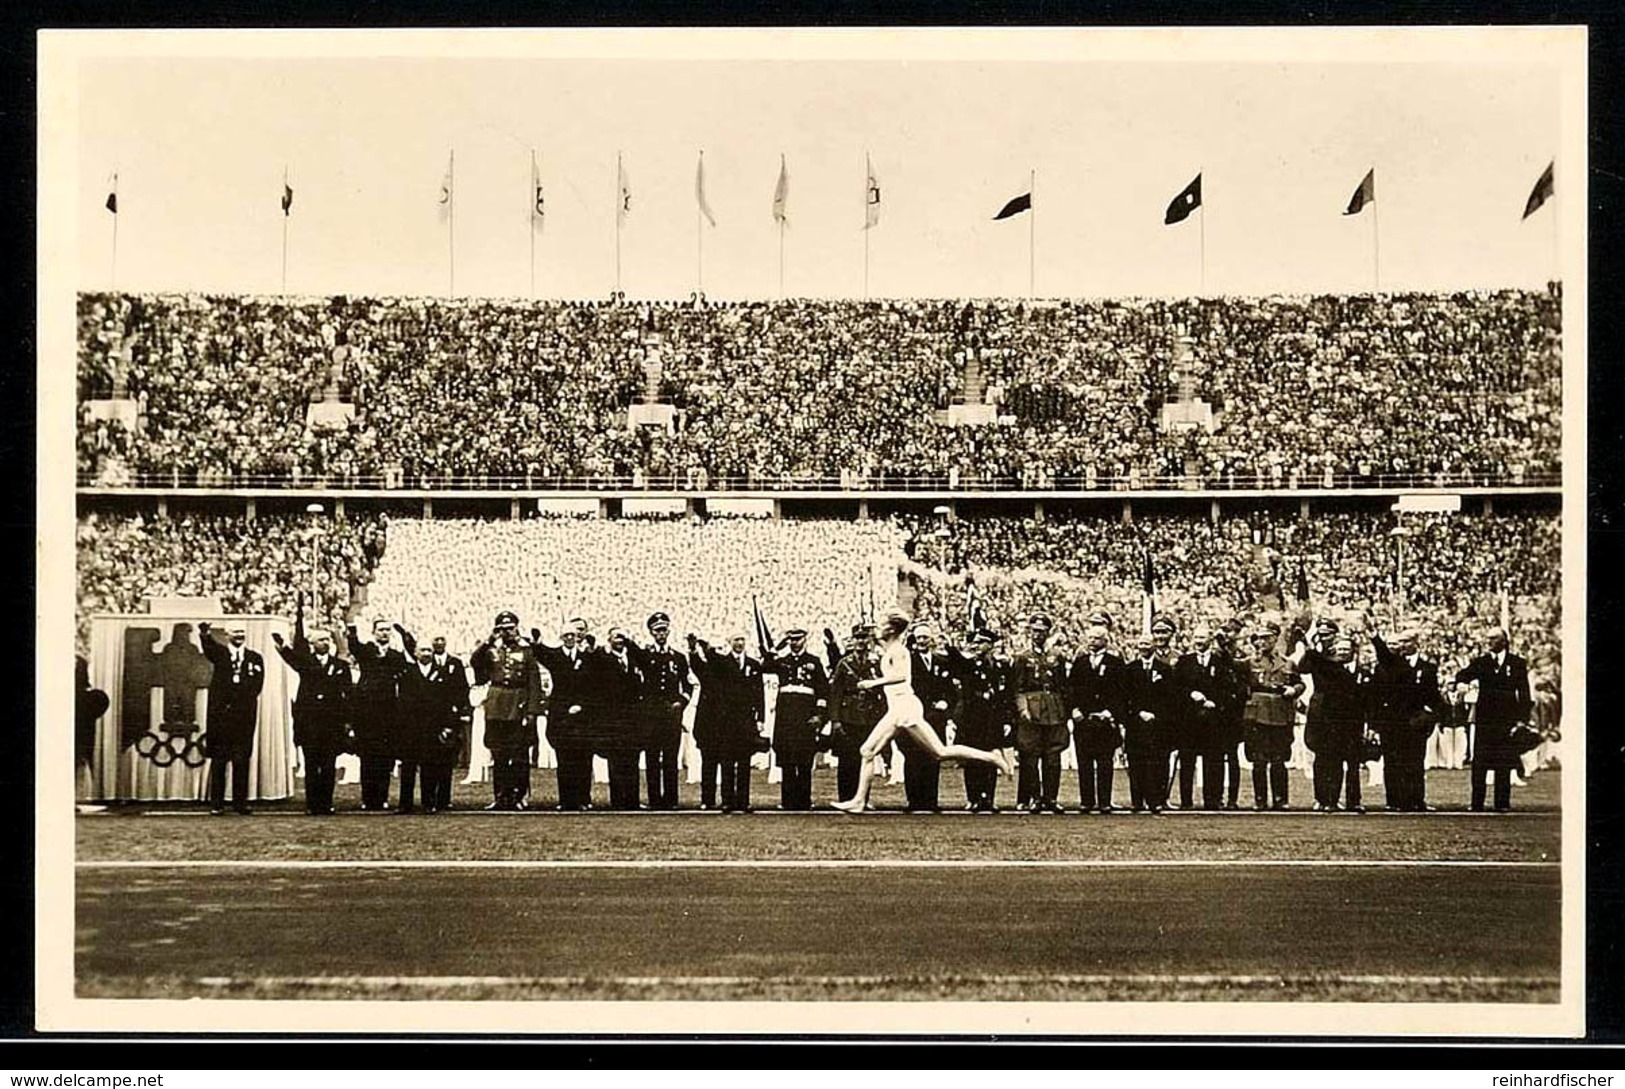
{"points": [[598, 982], [681, 814], [795, 864]]}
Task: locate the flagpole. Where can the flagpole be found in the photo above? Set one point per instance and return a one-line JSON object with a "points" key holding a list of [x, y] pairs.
{"points": [[867, 170], [617, 222], [699, 235], [1032, 220], [1557, 249], [451, 224], [530, 221], [781, 258], [113, 271], [1201, 235], [1376, 245], [284, 233]]}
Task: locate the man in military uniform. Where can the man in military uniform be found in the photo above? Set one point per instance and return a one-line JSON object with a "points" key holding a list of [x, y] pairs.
{"points": [[373, 710], [1504, 702], [617, 725], [508, 663], [986, 715], [737, 678], [1268, 718], [320, 711], [1039, 678], [667, 688], [1148, 702], [803, 701], [567, 728], [1095, 692], [234, 703], [1406, 705], [854, 711], [934, 684]]}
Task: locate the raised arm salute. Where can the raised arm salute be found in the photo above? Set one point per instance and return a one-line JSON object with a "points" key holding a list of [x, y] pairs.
{"points": [[320, 709], [374, 710], [508, 664], [234, 700]]}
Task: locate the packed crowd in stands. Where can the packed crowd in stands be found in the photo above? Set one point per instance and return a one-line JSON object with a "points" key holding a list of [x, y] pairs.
{"points": [[252, 566], [1456, 388], [451, 576]]}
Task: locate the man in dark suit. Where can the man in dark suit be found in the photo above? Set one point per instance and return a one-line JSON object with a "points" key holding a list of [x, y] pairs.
{"points": [[508, 664], [90, 704], [738, 680], [373, 710], [234, 702], [614, 689], [454, 667], [667, 688], [320, 709], [986, 714], [799, 711], [1504, 702], [567, 722], [1405, 707], [1335, 725], [934, 684], [1148, 698], [1207, 701], [1094, 687], [432, 699]]}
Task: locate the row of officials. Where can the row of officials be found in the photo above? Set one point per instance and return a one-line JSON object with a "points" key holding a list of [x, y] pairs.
{"points": [[1228, 691]]}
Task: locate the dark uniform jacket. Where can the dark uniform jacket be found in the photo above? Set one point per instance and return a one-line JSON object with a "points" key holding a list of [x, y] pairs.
{"points": [[735, 721], [1271, 712], [1504, 701], [1405, 701], [373, 703], [234, 692], [1096, 690], [934, 683], [1337, 708], [803, 700], [321, 708], [854, 712], [1148, 688], [431, 712], [611, 696], [666, 688], [568, 673], [1194, 724], [90, 704], [986, 715], [513, 697]]}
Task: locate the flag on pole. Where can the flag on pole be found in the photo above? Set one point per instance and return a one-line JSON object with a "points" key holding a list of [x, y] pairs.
{"points": [[781, 193], [1301, 590], [1148, 594], [871, 195], [623, 189], [445, 185], [1188, 200], [1364, 193], [699, 191], [975, 611], [1541, 193], [112, 196], [1506, 612], [764, 637], [538, 209], [287, 198], [1015, 206]]}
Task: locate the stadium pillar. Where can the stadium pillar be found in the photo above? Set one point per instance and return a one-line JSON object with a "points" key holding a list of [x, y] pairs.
{"points": [[609, 508], [953, 512], [163, 507], [513, 510], [428, 508], [778, 510], [1213, 512], [696, 508], [1303, 509], [1038, 510], [251, 509], [338, 509], [1128, 512], [1489, 506], [863, 510]]}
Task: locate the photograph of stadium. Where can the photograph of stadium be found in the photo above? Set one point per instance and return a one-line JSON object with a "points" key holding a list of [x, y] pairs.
{"points": [[574, 520]]}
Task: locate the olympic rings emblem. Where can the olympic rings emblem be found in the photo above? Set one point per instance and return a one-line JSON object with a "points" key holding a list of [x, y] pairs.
{"points": [[165, 750]]}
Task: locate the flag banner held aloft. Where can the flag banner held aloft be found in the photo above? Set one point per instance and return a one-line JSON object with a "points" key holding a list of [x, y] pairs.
{"points": [[1188, 200], [1364, 193], [1544, 188], [1015, 206]]}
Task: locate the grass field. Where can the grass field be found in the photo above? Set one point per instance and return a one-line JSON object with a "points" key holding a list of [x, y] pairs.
{"points": [[1187, 906]]}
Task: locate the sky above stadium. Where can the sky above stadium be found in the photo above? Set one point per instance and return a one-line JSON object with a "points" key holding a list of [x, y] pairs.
{"points": [[200, 129]]}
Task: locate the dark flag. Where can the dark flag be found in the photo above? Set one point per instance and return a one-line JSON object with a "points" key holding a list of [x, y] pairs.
{"points": [[764, 637], [287, 199], [1016, 206], [112, 202], [1302, 589], [1541, 193], [1188, 200], [1364, 194], [975, 611]]}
